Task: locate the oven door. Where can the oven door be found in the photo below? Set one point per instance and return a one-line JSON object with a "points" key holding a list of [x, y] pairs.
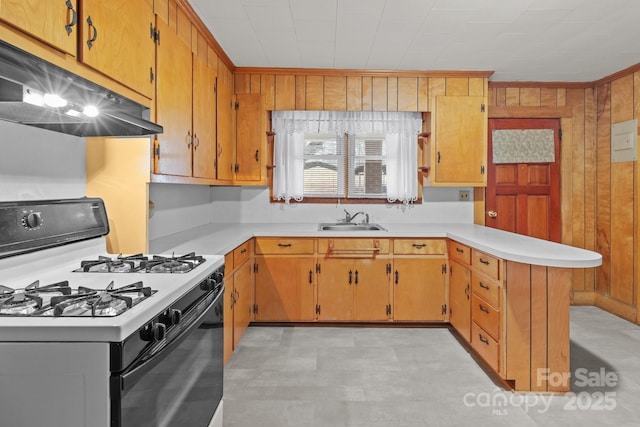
{"points": [[181, 382]]}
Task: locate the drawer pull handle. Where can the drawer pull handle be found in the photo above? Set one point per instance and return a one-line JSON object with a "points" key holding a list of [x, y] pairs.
{"points": [[483, 339], [243, 250], [397, 276], [350, 276], [310, 277], [483, 261], [284, 245], [419, 245], [483, 308], [356, 277], [460, 251], [483, 286]]}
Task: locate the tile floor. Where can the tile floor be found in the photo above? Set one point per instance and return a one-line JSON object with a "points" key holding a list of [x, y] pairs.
{"points": [[384, 377]]}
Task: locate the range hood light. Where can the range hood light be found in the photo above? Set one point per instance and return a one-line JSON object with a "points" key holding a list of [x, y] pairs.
{"points": [[33, 97], [90, 111], [73, 113], [54, 101]]}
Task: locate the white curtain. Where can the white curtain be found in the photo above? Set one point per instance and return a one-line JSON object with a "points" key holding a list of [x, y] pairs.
{"points": [[401, 130]]}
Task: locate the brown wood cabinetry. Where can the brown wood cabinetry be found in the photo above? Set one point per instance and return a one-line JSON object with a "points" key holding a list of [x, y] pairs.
{"points": [[285, 280], [419, 279], [460, 289], [238, 295], [353, 280], [53, 22], [458, 142]]}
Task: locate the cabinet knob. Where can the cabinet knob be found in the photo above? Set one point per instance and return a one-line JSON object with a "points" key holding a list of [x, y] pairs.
{"points": [[492, 214]]}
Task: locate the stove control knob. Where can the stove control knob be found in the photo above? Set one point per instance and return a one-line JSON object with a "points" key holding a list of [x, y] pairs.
{"points": [[153, 332], [171, 317], [32, 220]]}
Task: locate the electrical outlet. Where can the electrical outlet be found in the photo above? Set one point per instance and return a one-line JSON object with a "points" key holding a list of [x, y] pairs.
{"points": [[464, 195]]}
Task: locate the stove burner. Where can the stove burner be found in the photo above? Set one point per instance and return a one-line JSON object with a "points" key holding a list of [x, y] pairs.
{"points": [[173, 264], [30, 299], [119, 264]]}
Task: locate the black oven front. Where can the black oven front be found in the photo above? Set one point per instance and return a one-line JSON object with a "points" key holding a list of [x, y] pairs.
{"points": [[170, 372]]}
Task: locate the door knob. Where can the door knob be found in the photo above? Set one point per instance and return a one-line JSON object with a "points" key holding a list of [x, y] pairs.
{"points": [[492, 214]]}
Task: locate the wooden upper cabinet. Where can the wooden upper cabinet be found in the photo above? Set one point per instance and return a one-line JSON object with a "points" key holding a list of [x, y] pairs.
{"points": [[225, 132], [174, 103], [116, 39], [250, 138], [54, 22], [459, 151], [204, 119]]}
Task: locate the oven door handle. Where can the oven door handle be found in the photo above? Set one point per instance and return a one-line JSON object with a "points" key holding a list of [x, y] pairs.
{"points": [[156, 354]]}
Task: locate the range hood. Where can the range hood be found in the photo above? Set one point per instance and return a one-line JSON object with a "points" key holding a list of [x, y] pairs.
{"points": [[35, 92]]}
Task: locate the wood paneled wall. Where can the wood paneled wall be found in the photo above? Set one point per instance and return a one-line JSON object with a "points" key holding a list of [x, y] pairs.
{"points": [[600, 206], [355, 91]]}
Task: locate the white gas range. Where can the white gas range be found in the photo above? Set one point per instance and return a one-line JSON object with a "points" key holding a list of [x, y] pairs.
{"points": [[114, 340]]}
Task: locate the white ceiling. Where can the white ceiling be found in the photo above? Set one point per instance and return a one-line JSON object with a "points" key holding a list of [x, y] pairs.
{"points": [[521, 40]]}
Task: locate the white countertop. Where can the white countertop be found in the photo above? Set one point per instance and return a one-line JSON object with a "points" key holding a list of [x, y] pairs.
{"points": [[221, 238]]}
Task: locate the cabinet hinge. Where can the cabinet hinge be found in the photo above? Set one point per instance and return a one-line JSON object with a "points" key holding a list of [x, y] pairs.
{"points": [[237, 106], [444, 309], [389, 268], [444, 268], [151, 75], [318, 268], [482, 108], [155, 34], [560, 134], [482, 170], [255, 267], [156, 149], [255, 308], [388, 309], [236, 168], [317, 308]]}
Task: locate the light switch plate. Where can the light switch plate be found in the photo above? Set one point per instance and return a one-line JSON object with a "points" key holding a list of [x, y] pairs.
{"points": [[624, 141]]}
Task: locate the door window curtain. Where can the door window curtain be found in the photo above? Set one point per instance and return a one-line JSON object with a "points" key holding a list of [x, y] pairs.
{"points": [[400, 128]]}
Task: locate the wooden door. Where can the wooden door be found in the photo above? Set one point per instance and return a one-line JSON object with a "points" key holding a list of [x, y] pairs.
{"points": [[250, 134], [335, 292], [371, 286], [460, 299], [225, 132], [204, 119], [229, 298], [418, 289], [53, 22], [524, 197], [285, 288], [116, 40], [459, 153], [174, 103]]}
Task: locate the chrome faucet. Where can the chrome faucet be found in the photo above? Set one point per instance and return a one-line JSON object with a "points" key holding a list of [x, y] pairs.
{"points": [[349, 218]]}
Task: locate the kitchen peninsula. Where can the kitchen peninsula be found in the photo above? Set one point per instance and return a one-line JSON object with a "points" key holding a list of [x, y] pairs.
{"points": [[505, 295]]}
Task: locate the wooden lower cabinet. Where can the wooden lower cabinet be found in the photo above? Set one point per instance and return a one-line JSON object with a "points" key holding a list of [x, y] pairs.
{"points": [[353, 289], [460, 299], [285, 288], [419, 289]]}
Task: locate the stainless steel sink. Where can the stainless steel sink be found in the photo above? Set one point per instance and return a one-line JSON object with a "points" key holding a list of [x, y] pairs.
{"points": [[346, 226]]}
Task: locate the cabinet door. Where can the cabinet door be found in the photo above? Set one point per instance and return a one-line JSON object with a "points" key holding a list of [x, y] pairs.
{"points": [[460, 299], [174, 103], [460, 148], [229, 298], [204, 120], [250, 138], [285, 288], [243, 306], [225, 133], [54, 21], [371, 284], [335, 293], [116, 39], [419, 289]]}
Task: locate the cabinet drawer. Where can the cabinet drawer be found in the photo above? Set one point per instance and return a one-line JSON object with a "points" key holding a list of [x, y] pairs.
{"points": [[486, 289], [486, 264], [486, 316], [241, 254], [419, 246], [353, 247], [282, 246], [486, 346], [459, 252]]}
